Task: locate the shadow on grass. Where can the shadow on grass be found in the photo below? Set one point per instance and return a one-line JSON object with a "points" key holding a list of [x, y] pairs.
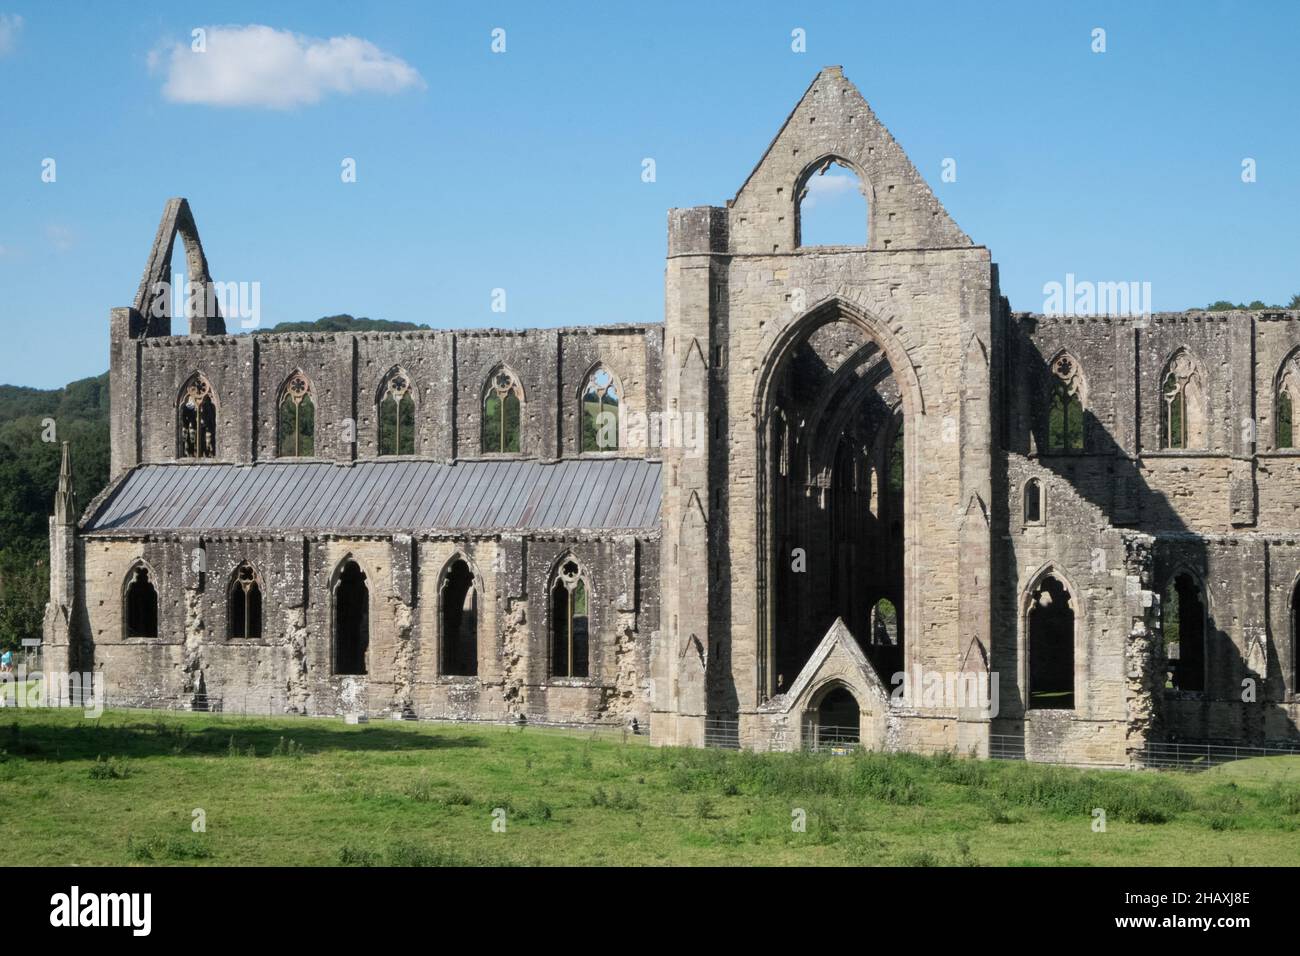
{"points": [[130, 736]]}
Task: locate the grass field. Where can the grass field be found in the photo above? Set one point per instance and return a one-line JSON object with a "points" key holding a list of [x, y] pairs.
{"points": [[123, 789]]}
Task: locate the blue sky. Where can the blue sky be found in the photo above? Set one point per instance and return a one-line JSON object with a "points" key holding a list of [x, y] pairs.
{"points": [[523, 170]]}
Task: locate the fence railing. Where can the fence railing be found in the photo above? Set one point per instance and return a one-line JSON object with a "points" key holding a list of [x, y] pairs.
{"points": [[722, 732], [828, 738], [277, 707], [1006, 747], [1202, 756]]}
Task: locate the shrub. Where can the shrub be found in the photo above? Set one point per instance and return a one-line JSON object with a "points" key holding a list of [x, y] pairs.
{"points": [[114, 768]]}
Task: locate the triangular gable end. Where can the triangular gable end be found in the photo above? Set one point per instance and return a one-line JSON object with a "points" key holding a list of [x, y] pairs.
{"points": [[833, 120], [838, 657], [177, 220]]}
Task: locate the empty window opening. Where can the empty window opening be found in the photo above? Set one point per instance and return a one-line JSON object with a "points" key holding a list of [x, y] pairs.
{"points": [[503, 402], [1288, 397], [1033, 502], [245, 618], [396, 414], [351, 620], [1051, 647], [1182, 617], [198, 419], [1065, 408], [600, 412], [569, 622], [832, 208], [1295, 641], [884, 624], [1182, 422], [459, 621], [141, 604], [297, 418]]}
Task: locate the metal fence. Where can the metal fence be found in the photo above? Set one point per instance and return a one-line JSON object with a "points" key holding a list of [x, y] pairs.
{"points": [[259, 706], [1202, 756], [828, 738], [722, 732], [1006, 747]]}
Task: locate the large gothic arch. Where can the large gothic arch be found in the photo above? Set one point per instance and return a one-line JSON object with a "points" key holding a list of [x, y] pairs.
{"points": [[863, 394]]}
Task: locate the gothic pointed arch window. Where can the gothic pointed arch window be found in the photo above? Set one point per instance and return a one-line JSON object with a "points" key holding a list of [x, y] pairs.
{"points": [[600, 408], [458, 598], [244, 620], [1065, 407], [503, 405], [197, 418], [351, 606], [1182, 404], [396, 414], [140, 602], [1285, 432], [297, 418], [1050, 628], [569, 621]]}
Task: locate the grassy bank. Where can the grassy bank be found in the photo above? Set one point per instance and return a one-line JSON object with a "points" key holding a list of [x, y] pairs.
{"points": [[124, 789]]}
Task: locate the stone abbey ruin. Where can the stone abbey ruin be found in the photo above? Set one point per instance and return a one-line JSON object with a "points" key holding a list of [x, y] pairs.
{"points": [[829, 466]]}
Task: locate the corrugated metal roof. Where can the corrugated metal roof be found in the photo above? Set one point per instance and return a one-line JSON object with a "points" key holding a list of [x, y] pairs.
{"points": [[386, 494]]}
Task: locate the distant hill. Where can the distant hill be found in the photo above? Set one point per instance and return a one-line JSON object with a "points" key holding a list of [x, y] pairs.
{"points": [[34, 423], [344, 323]]}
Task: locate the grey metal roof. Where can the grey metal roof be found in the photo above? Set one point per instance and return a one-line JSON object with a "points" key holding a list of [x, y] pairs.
{"points": [[386, 495]]}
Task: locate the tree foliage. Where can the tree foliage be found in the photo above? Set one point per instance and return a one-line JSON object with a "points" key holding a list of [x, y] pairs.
{"points": [[1223, 305], [33, 425]]}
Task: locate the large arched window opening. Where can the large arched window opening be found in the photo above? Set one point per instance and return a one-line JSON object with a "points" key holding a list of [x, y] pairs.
{"points": [[1288, 400], [140, 603], [351, 620], [503, 407], [245, 605], [1182, 618], [297, 418], [1065, 407], [833, 540], [396, 414], [458, 599], [1182, 393], [1051, 646], [600, 407], [197, 419], [569, 621], [833, 209]]}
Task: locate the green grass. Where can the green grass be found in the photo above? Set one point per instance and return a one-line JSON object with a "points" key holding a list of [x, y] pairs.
{"points": [[125, 788]]}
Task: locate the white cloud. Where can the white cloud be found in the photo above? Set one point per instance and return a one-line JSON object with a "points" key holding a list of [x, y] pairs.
{"points": [[9, 27], [829, 187], [260, 66]]}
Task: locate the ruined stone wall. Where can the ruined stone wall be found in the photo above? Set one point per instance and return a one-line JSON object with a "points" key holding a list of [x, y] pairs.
{"points": [[1223, 511], [738, 286], [289, 669], [346, 371]]}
